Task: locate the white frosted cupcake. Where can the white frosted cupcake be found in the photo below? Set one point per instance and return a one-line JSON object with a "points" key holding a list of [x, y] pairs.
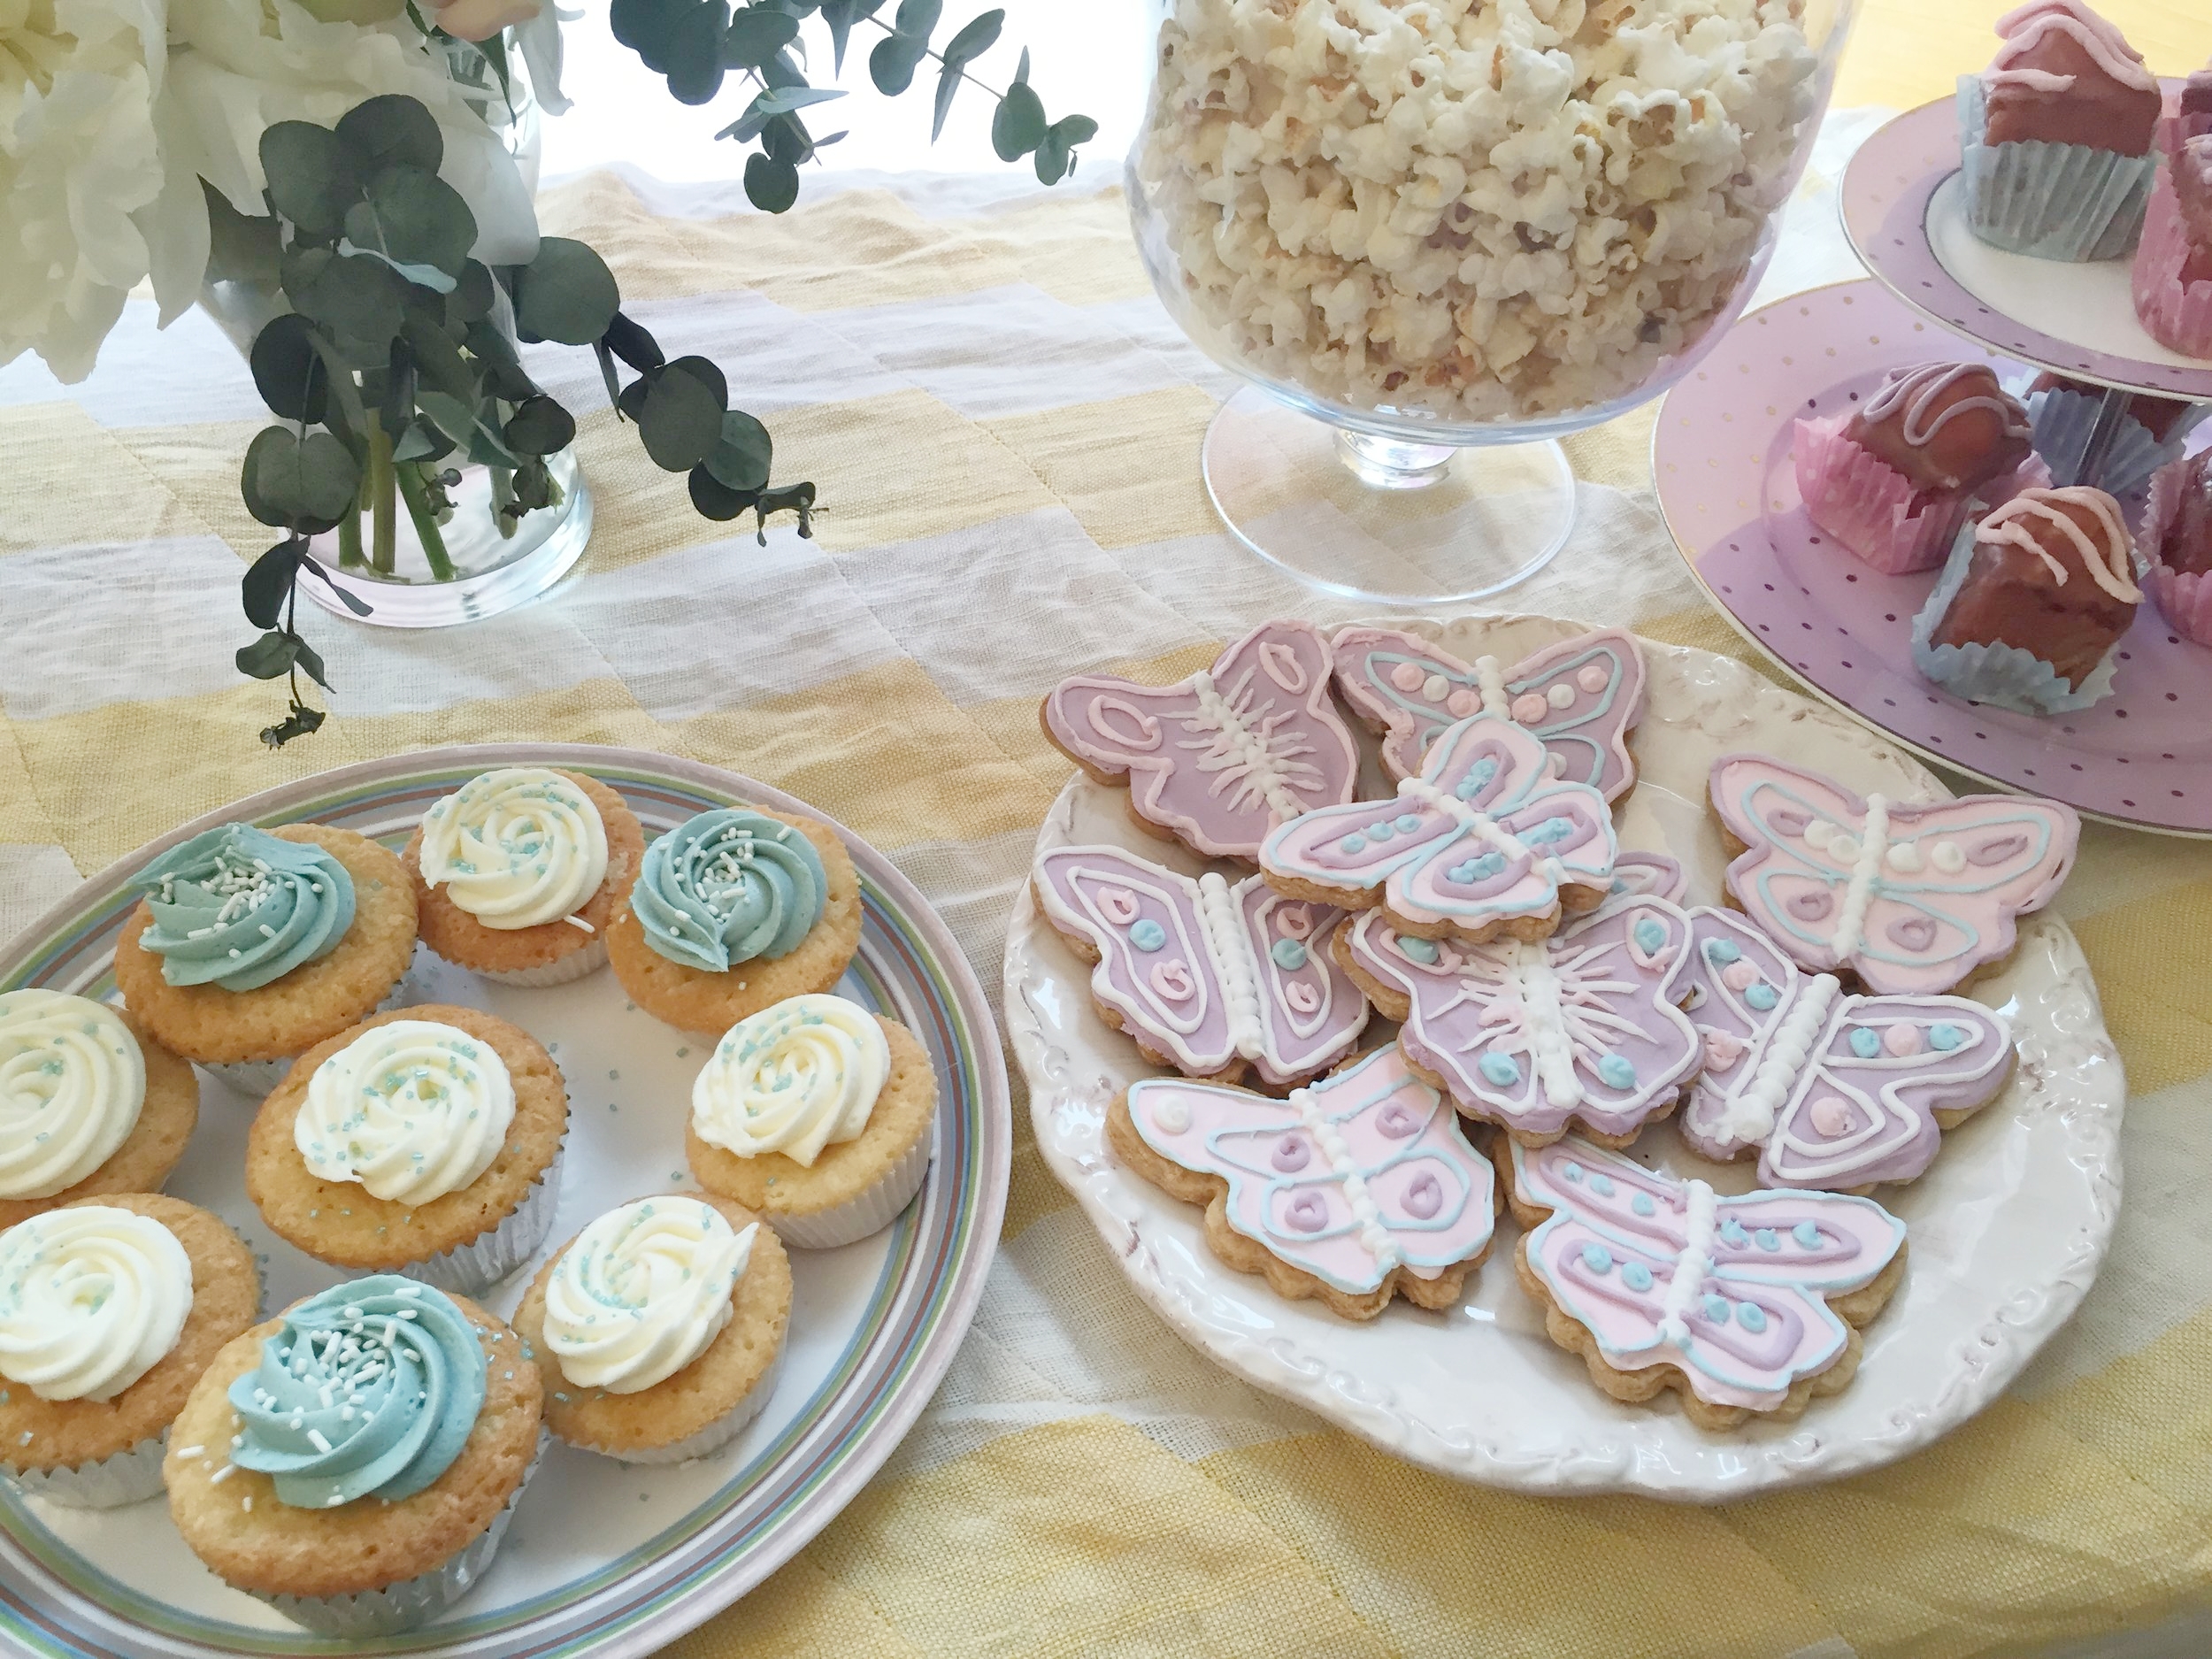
{"points": [[815, 1114], [660, 1327], [519, 872]]}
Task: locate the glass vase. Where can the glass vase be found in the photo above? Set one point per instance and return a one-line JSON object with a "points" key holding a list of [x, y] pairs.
{"points": [[1435, 242]]}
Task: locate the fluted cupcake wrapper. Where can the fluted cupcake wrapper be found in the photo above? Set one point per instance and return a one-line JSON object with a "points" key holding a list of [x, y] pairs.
{"points": [[474, 1268], [1868, 504], [411, 1601], [715, 1435], [2176, 314], [2003, 675], [259, 1078], [127, 1477], [864, 1213], [574, 965], [2063, 420], [2183, 598], [2064, 201]]}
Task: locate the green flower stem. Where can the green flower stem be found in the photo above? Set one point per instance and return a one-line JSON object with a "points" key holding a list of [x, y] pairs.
{"points": [[503, 493], [350, 539], [381, 490], [411, 492]]}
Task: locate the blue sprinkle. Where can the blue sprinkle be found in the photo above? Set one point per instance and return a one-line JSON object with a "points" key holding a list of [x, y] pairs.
{"points": [[1597, 1258], [1477, 778], [1289, 954], [1642, 1205], [1866, 1042], [1352, 844], [1732, 1231], [1504, 1070], [1636, 1276], [1601, 1185], [1571, 1170], [1615, 1071], [1766, 1238], [1409, 822], [1944, 1037], [1761, 996], [1717, 1310], [1806, 1234], [1417, 949], [1651, 934], [1147, 934], [1751, 1317], [1723, 951]]}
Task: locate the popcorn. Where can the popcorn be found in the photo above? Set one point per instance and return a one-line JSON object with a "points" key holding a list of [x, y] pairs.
{"points": [[1482, 210]]}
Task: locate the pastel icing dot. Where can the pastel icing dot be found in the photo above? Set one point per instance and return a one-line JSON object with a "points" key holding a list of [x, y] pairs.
{"points": [[1601, 1185], [1738, 974], [1636, 1276], [1767, 1238], [1561, 696], [1504, 1070], [1820, 832], [1902, 1039], [1147, 935], [1594, 678], [1530, 706], [1650, 934], [1552, 829], [1717, 1310], [1723, 951], [1381, 830], [1352, 844], [1615, 1071], [1866, 1042], [1806, 1234], [1435, 688], [1831, 1114], [1571, 1170], [1173, 980], [1731, 1233], [1289, 954], [1461, 704], [1408, 676], [1172, 1116], [1843, 848], [1409, 822], [1903, 856], [1597, 1258], [1761, 996], [1948, 857], [1293, 921], [1420, 950], [1945, 1038], [1642, 1205], [1751, 1317], [1302, 998]]}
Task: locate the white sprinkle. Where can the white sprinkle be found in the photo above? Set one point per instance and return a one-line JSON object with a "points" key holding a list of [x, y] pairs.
{"points": [[578, 921], [191, 1451], [248, 1505], [222, 1474], [315, 1439], [336, 1499]]}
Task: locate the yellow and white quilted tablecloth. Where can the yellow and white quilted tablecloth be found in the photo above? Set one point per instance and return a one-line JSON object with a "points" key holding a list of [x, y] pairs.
{"points": [[1005, 429]]}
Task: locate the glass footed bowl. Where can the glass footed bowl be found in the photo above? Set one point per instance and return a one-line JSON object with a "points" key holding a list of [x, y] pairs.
{"points": [[1435, 236]]}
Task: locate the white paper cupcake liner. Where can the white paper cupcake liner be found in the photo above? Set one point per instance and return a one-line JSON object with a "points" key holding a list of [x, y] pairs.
{"points": [[712, 1438], [864, 1213], [474, 1268], [2003, 675], [574, 965], [411, 1601], [2063, 420], [259, 1078], [127, 1477], [2064, 201]]}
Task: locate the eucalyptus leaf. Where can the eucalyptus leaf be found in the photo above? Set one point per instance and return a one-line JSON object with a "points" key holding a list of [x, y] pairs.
{"points": [[345, 597], [631, 402], [533, 486], [566, 293], [711, 498], [755, 34], [298, 482], [288, 372], [641, 26], [892, 65], [421, 442], [540, 426], [310, 182], [268, 657], [438, 356], [471, 300], [708, 373], [495, 362], [359, 299], [1019, 124], [630, 342], [918, 17], [398, 406], [306, 657], [783, 100], [427, 276], [241, 248], [412, 216], [770, 185], [391, 130], [840, 15], [741, 461], [267, 582], [976, 37], [606, 370], [681, 420]]}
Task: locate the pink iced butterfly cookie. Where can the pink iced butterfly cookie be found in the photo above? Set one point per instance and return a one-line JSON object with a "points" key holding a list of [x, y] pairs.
{"points": [[1356, 1189], [1580, 697], [1484, 840], [1579, 1030], [1219, 759], [1911, 899], [1829, 1090], [1746, 1306], [1208, 977]]}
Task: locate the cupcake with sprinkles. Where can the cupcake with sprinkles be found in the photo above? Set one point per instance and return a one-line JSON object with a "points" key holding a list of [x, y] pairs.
{"points": [[734, 910], [426, 1141], [110, 1309], [661, 1327], [250, 945], [89, 1104], [815, 1115], [355, 1462], [520, 870]]}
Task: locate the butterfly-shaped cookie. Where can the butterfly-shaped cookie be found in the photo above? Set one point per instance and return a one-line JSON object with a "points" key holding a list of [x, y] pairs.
{"points": [[1222, 757], [1579, 1029], [1911, 899], [1209, 978], [1745, 1304], [1484, 838], [1353, 1189], [1580, 695], [1832, 1091]]}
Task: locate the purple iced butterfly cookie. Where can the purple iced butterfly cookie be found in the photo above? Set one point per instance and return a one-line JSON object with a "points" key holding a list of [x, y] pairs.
{"points": [[1730, 1292], [1483, 836], [1211, 975], [1581, 1029], [1580, 697], [1223, 757], [1834, 1091], [1351, 1179]]}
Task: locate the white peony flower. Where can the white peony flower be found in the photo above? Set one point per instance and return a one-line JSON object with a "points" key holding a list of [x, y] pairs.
{"points": [[89, 203]]}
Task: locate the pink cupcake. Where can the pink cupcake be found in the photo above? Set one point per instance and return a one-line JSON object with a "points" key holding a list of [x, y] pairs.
{"points": [[2175, 546], [2173, 262], [1896, 478]]}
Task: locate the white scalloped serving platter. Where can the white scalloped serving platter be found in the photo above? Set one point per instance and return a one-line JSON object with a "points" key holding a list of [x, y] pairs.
{"points": [[2006, 1229]]}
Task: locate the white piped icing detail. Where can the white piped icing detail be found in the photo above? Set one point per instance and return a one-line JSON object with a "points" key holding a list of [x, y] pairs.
{"points": [[1948, 857], [1691, 1267], [1481, 824], [1245, 752], [1751, 1112], [1560, 694], [1490, 675], [1865, 869], [1232, 955], [1172, 1116], [1528, 970], [1372, 1234], [1904, 857], [516, 848]]}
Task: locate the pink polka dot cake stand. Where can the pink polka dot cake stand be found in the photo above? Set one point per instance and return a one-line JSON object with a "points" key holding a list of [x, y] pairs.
{"points": [[1721, 461], [1904, 210]]}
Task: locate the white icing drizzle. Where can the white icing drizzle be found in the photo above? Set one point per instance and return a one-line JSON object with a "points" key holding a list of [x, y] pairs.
{"points": [[1372, 1234], [1491, 677], [1232, 962], [1528, 970], [1691, 1266], [2106, 559], [1750, 1113], [1481, 823], [1851, 915], [2104, 45], [1245, 753]]}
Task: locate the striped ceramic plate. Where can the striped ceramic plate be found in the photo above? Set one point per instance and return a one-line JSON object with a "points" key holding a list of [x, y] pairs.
{"points": [[602, 1558]]}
